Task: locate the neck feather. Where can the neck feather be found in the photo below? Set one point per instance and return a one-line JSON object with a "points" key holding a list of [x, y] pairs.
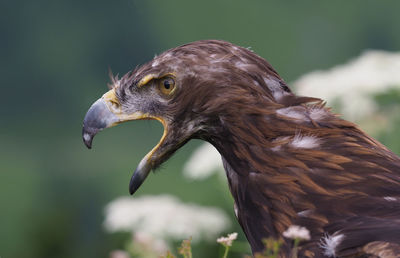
{"points": [[267, 154]]}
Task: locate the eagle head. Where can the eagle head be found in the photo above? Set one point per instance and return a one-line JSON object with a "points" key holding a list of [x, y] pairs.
{"points": [[191, 90]]}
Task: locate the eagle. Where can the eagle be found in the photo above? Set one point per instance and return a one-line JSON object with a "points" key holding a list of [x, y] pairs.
{"points": [[289, 159]]}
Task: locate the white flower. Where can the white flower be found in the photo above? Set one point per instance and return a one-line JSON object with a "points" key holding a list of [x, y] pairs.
{"points": [[295, 231], [353, 85], [163, 217], [119, 254], [227, 240], [144, 240], [204, 161]]}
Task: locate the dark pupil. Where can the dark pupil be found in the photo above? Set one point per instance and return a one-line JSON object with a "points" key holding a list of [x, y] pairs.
{"points": [[167, 84]]}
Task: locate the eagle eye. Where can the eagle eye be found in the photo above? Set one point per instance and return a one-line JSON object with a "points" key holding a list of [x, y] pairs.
{"points": [[166, 85]]}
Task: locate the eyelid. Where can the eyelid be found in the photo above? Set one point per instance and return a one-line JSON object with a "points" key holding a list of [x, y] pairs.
{"points": [[146, 79], [153, 76]]}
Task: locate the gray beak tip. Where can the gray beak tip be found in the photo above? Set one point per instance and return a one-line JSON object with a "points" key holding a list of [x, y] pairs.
{"points": [[135, 183], [138, 177], [96, 119], [87, 139]]}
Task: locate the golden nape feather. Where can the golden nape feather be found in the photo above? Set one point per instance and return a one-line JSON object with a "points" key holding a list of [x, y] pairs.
{"points": [[289, 160]]}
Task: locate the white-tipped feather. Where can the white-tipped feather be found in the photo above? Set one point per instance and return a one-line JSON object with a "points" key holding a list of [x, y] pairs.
{"points": [[293, 112], [275, 88], [390, 199], [329, 244], [304, 142], [317, 113]]}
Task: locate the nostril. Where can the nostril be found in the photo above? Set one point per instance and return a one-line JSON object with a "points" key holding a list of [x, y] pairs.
{"points": [[114, 104]]}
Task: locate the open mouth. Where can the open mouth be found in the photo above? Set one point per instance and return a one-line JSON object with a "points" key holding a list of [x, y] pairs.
{"points": [[105, 113]]}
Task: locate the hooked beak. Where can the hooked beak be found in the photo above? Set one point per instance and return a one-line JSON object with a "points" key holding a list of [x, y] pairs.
{"points": [[98, 117], [106, 112]]}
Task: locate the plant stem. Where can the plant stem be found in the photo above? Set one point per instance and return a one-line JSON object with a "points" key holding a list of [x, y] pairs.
{"points": [[226, 251], [294, 250]]}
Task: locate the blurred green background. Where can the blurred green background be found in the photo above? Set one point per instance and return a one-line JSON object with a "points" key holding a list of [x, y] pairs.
{"points": [[54, 57]]}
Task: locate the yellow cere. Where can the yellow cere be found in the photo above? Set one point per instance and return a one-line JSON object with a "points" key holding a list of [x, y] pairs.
{"points": [[110, 96]]}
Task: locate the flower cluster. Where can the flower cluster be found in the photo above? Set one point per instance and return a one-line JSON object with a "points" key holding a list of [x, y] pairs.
{"points": [[352, 86], [298, 232], [227, 241], [165, 217]]}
